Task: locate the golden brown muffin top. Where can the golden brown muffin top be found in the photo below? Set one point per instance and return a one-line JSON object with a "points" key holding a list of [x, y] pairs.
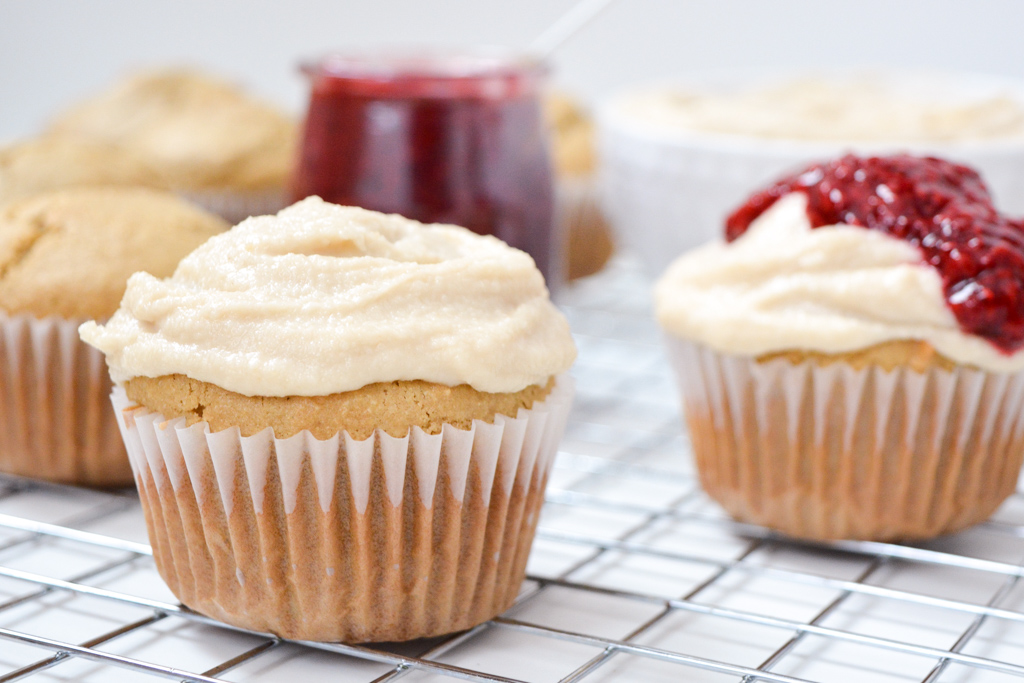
{"points": [[200, 132], [394, 407], [70, 252], [919, 356], [572, 136], [52, 163]]}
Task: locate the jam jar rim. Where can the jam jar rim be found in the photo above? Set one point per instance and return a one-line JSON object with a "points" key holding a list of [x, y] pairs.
{"points": [[429, 65]]}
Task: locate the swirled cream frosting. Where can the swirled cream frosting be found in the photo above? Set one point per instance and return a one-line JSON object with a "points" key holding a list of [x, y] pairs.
{"points": [[785, 286], [322, 299]]}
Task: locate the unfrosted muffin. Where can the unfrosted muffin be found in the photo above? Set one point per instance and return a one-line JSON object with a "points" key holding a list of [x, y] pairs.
{"points": [[573, 151], [53, 163], [574, 157], [364, 407], [850, 361], [212, 142], [65, 257]]}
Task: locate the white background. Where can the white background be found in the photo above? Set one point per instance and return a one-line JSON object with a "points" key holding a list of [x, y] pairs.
{"points": [[55, 51]]}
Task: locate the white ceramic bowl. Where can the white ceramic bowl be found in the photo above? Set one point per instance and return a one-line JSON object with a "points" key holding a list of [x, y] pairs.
{"points": [[666, 190]]}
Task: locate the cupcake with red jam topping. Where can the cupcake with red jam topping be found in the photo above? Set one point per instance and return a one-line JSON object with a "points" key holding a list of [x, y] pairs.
{"points": [[851, 356]]}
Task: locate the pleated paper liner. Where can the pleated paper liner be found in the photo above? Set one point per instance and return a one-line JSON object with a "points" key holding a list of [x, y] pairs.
{"points": [[236, 206], [833, 452], [384, 539], [55, 417]]}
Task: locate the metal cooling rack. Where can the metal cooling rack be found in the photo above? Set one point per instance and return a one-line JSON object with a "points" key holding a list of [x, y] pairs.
{"points": [[635, 575]]}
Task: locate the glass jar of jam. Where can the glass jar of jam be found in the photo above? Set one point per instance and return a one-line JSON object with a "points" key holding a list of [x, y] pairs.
{"points": [[446, 138]]}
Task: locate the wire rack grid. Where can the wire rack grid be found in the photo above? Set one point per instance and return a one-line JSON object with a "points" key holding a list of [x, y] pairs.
{"points": [[634, 576]]}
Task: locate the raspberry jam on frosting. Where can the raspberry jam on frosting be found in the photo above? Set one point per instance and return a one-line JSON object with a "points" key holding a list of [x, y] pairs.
{"points": [[943, 209]]}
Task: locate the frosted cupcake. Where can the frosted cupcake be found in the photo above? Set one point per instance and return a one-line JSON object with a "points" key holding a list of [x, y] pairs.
{"points": [[212, 142], [65, 257], [341, 422], [850, 360]]}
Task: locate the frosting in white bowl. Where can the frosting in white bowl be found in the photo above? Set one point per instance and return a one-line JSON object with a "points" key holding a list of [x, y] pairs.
{"points": [[322, 299], [865, 108], [783, 285]]}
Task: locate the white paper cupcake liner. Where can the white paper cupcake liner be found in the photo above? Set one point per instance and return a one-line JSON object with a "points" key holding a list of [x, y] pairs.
{"points": [[55, 416], [236, 206], [378, 540], [830, 451]]}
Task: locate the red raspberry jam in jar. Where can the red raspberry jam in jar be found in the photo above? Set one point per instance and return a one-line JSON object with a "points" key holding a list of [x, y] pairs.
{"points": [[438, 138], [942, 208]]}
